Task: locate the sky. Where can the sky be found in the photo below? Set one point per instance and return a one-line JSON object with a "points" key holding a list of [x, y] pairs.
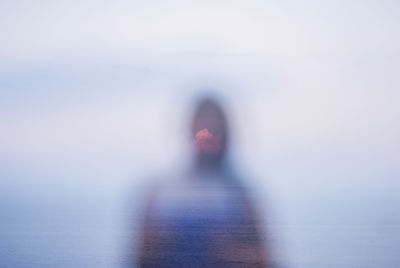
{"points": [[93, 90]]}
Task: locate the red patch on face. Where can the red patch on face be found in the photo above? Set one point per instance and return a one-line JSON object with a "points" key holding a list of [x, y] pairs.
{"points": [[206, 142]]}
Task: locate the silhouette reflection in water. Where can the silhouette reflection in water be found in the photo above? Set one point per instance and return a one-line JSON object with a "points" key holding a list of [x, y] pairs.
{"points": [[205, 218]]}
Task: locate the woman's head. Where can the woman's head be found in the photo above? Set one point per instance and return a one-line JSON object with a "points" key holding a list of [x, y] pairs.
{"points": [[209, 131]]}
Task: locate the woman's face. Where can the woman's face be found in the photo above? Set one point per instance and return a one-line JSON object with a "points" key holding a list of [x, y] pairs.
{"points": [[209, 131]]}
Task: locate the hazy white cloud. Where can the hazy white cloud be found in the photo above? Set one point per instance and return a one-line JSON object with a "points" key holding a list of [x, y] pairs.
{"points": [[264, 31]]}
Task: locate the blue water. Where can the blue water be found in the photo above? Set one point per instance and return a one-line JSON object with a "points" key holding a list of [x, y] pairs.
{"points": [[106, 240]]}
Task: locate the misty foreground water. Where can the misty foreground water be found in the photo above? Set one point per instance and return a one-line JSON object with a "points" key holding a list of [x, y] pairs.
{"points": [[89, 235]]}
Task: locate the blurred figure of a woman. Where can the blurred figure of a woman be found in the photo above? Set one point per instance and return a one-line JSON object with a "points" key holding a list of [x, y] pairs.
{"points": [[204, 218]]}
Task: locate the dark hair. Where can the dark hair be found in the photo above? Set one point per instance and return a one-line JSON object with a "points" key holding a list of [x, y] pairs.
{"points": [[209, 114]]}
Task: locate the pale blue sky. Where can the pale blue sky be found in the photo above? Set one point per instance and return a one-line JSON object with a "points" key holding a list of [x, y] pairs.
{"points": [[312, 86]]}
